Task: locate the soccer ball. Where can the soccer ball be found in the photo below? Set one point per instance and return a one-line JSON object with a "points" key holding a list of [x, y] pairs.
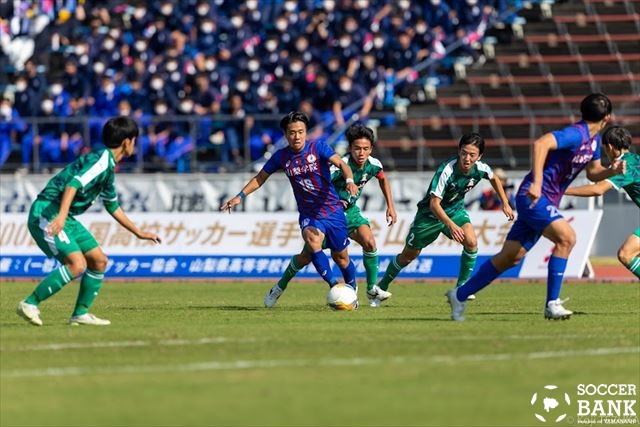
{"points": [[342, 297]]}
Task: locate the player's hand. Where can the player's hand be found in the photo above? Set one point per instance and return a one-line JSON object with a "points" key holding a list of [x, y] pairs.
{"points": [[230, 204], [352, 189], [533, 193], [457, 233], [146, 235], [345, 204], [392, 217], [56, 226], [508, 212], [619, 167]]}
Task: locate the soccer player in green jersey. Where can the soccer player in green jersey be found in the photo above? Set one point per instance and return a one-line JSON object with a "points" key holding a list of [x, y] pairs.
{"points": [[53, 226], [616, 142], [364, 168], [442, 209]]}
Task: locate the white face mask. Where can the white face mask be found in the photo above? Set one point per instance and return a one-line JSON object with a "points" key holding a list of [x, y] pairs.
{"points": [[345, 86], [329, 5], [207, 27], [166, 9], [362, 4], [404, 4], [203, 10], [140, 46], [289, 6], [161, 109], [378, 42], [47, 106], [5, 111], [237, 21], [115, 33], [109, 44], [435, 2], [186, 107], [344, 42], [252, 4], [21, 86], [84, 60], [124, 112], [421, 29], [172, 66], [109, 88], [271, 45], [281, 25], [139, 13], [472, 2], [296, 67], [156, 84], [56, 89], [80, 50], [210, 65], [253, 65], [242, 85]]}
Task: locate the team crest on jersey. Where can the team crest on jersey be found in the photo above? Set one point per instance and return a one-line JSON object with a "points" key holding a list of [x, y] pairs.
{"points": [[311, 158]]}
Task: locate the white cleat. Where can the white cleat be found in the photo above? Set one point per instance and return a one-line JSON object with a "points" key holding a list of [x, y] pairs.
{"points": [[471, 297], [554, 310], [272, 296], [457, 307], [29, 312], [88, 319], [376, 295]]}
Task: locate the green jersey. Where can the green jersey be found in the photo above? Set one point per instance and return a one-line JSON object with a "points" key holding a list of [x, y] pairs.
{"points": [[93, 175], [450, 185], [630, 181], [371, 168]]}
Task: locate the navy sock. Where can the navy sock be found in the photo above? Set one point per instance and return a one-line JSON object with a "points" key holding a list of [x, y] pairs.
{"points": [[486, 274], [321, 263], [557, 266], [349, 274]]}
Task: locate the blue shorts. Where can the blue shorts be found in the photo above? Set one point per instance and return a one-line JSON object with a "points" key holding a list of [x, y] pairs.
{"points": [[334, 228], [532, 221]]}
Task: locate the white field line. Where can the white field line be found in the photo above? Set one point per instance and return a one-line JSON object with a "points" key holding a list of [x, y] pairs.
{"points": [[298, 363], [225, 340]]}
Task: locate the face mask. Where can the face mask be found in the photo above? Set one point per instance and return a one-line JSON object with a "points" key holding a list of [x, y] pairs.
{"points": [[186, 107], [156, 84], [175, 76], [109, 88], [47, 106], [210, 65], [80, 50], [124, 112], [242, 85], [345, 87], [253, 65], [166, 9], [378, 42], [344, 42], [362, 4], [109, 44], [296, 67], [271, 45], [329, 5], [56, 90], [139, 13], [114, 33], [281, 25], [161, 109], [203, 10], [140, 46], [435, 2], [421, 29], [290, 6], [236, 21], [172, 66], [351, 28], [21, 86], [207, 28], [472, 2], [404, 4], [252, 4], [5, 111]]}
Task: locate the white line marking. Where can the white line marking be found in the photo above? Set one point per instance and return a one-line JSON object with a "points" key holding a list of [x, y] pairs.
{"points": [[298, 363]]}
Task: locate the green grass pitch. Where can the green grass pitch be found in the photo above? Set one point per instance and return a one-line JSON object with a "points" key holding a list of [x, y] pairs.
{"points": [[194, 353]]}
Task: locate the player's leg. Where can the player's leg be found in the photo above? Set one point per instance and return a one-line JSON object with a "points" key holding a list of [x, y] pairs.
{"points": [[564, 237], [90, 284], [468, 256], [629, 253], [297, 263], [401, 260], [364, 237], [337, 236], [313, 235]]}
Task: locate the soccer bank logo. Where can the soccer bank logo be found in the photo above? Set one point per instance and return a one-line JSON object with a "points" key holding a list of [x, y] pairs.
{"points": [[551, 403]]}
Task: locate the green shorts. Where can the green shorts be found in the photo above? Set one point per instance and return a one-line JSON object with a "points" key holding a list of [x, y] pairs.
{"points": [[74, 237], [425, 230], [354, 218], [637, 232]]}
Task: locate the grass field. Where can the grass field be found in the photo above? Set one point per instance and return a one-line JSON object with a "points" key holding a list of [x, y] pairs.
{"points": [[210, 354]]}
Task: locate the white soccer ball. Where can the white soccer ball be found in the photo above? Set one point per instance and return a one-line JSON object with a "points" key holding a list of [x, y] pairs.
{"points": [[342, 297]]}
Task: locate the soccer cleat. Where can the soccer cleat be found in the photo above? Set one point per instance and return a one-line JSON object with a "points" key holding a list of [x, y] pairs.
{"points": [[457, 307], [29, 312], [471, 297], [88, 319], [554, 310], [272, 296], [376, 295]]}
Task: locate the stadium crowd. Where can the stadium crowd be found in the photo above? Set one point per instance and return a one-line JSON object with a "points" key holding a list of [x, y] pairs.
{"points": [[198, 75]]}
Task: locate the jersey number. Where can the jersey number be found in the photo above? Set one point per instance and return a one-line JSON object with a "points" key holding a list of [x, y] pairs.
{"points": [[553, 211], [307, 185]]}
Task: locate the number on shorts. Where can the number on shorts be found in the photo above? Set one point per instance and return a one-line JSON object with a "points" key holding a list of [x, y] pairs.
{"points": [[553, 211], [63, 237], [411, 237]]}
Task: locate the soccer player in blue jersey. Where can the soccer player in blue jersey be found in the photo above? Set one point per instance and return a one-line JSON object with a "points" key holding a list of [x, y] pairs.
{"points": [[558, 157], [306, 164]]}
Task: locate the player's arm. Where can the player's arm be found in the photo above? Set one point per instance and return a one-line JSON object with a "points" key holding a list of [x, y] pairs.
{"points": [[506, 206], [337, 161], [124, 221], [392, 217], [456, 232], [597, 189], [596, 172], [251, 186], [57, 224], [541, 148]]}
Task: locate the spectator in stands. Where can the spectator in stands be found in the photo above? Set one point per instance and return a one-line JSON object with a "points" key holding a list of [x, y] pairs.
{"points": [[12, 128], [489, 200]]}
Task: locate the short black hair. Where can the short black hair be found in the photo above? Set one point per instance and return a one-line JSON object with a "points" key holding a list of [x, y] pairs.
{"points": [[359, 131], [294, 116], [472, 138], [618, 137], [595, 107], [117, 129]]}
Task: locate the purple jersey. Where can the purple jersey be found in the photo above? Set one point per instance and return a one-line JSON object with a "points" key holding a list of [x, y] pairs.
{"points": [[310, 178], [575, 149]]}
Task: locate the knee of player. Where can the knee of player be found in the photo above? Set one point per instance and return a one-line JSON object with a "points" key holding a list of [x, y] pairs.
{"points": [[568, 240], [471, 244], [100, 263], [77, 267], [369, 245], [624, 256]]}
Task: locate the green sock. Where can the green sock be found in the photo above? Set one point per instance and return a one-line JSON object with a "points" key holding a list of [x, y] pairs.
{"points": [[634, 266], [370, 261], [89, 286], [289, 273], [467, 263], [50, 285], [391, 273]]}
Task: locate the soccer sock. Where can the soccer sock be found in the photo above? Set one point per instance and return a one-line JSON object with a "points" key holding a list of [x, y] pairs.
{"points": [[556, 267], [392, 271], [634, 266], [486, 274], [89, 286], [349, 274], [370, 261], [321, 263], [291, 270], [50, 285], [467, 263]]}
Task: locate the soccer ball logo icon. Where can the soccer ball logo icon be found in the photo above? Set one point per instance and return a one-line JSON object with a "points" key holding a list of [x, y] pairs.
{"points": [[551, 403]]}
